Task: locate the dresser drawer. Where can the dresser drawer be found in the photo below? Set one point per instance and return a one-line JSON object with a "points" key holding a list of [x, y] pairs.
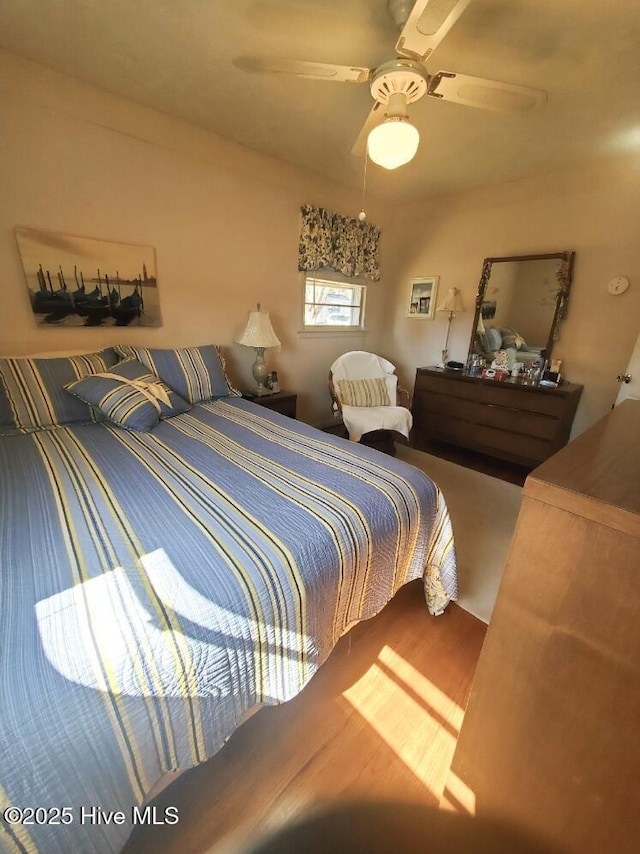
{"points": [[447, 428], [526, 423], [443, 385], [537, 400], [446, 404], [505, 444], [512, 445]]}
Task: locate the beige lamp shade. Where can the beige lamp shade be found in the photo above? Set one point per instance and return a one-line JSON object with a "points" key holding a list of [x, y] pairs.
{"points": [[259, 332], [452, 302]]}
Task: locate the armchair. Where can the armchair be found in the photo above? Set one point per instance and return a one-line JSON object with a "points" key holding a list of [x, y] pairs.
{"points": [[365, 393]]}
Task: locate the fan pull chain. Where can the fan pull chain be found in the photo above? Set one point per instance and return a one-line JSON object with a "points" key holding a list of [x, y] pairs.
{"points": [[363, 215]]}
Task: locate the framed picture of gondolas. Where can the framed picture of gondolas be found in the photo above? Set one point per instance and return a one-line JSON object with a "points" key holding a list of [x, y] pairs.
{"points": [[82, 281]]}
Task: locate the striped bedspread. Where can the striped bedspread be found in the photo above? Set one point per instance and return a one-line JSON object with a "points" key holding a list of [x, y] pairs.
{"points": [[156, 586]]}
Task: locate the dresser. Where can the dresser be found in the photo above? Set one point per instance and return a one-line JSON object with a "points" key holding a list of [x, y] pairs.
{"points": [[523, 424], [549, 741]]}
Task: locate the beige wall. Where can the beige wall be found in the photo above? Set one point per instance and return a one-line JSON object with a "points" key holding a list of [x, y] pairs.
{"points": [[223, 219], [594, 211]]}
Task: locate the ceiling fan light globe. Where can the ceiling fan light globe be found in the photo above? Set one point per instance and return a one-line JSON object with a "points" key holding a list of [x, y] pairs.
{"points": [[393, 143]]}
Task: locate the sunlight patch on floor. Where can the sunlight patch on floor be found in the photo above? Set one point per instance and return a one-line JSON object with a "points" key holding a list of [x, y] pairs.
{"points": [[429, 693], [410, 714], [457, 796]]}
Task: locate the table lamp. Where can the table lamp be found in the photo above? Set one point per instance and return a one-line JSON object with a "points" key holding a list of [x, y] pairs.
{"points": [[259, 334]]}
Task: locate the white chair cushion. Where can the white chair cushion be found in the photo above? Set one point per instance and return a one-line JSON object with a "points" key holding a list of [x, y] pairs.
{"points": [[359, 420], [363, 419]]}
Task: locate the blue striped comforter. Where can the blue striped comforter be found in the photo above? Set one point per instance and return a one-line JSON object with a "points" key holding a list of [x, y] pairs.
{"points": [[154, 587]]}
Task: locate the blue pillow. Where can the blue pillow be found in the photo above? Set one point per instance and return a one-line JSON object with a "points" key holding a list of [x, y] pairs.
{"points": [[196, 373], [32, 395], [129, 396], [494, 337]]}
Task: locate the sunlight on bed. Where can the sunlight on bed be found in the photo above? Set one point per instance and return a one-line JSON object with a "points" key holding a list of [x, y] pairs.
{"points": [[106, 634], [417, 720]]}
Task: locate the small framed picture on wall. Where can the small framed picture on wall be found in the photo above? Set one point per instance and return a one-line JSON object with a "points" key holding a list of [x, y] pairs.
{"points": [[422, 297]]}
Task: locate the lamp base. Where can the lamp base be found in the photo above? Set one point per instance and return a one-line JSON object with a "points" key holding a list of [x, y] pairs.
{"points": [[260, 373], [262, 391]]}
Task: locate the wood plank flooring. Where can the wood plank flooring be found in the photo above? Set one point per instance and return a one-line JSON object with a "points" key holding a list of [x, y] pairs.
{"points": [[378, 721]]}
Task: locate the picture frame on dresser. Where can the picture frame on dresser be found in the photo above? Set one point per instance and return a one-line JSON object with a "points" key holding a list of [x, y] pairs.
{"points": [[423, 292]]}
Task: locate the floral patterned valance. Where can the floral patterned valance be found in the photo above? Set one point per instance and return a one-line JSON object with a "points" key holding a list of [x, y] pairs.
{"points": [[346, 245]]}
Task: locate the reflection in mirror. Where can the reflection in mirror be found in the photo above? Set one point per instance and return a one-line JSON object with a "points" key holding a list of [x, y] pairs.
{"points": [[520, 303]]}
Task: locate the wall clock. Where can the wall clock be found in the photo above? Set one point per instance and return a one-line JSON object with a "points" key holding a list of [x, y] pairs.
{"points": [[618, 285]]}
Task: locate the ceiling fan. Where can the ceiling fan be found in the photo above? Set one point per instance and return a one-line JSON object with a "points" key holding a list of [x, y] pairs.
{"points": [[387, 135]]}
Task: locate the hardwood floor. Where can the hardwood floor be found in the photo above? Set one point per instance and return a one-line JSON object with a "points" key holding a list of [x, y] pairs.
{"points": [[503, 470], [378, 721]]}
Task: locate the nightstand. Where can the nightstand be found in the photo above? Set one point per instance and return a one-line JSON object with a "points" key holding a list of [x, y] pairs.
{"points": [[280, 401]]}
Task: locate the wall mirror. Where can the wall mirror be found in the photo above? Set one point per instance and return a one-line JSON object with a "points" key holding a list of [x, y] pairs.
{"points": [[520, 303]]}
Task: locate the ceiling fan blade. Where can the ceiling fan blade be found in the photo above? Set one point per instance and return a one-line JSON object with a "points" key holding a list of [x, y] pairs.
{"points": [[300, 68], [485, 94], [375, 117], [427, 24]]}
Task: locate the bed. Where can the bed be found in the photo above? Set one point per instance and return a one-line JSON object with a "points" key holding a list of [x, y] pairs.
{"points": [[158, 585]]}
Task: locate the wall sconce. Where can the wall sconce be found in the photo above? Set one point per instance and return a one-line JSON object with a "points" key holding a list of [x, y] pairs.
{"points": [[259, 334], [453, 304]]}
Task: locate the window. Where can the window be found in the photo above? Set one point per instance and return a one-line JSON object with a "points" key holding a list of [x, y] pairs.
{"points": [[330, 304]]}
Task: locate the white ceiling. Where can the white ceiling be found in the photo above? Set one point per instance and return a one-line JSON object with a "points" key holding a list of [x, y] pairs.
{"points": [[177, 56]]}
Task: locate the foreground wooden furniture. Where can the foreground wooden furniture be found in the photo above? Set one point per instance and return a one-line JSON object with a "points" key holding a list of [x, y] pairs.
{"points": [[550, 737], [505, 419]]}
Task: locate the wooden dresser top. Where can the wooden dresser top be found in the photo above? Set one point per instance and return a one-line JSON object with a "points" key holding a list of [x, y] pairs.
{"points": [[508, 382], [597, 474]]}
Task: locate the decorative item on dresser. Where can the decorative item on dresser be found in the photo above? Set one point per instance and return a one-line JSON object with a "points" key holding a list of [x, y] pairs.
{"points": [[284, 402], [523, 424]]}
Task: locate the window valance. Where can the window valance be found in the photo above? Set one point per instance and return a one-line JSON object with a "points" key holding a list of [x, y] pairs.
{"points": [[346, 245]]}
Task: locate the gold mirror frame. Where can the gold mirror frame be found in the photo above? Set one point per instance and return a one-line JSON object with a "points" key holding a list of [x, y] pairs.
{"points": [[564, 276]]}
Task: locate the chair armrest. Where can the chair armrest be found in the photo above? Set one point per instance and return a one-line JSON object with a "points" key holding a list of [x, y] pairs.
{"points": [[335, 400], [403, 398]]}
